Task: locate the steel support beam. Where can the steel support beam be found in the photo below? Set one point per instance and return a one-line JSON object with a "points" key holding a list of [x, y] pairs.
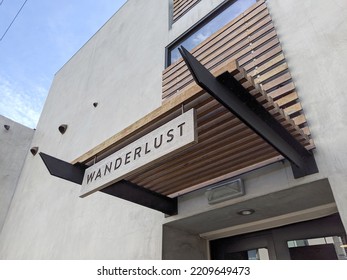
{"points": [[142, 196], [231, 94], [64, 170], [122, 189]]}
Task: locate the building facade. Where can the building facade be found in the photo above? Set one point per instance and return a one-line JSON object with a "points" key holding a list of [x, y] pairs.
{"points": [[14, 146], [263, 182]]}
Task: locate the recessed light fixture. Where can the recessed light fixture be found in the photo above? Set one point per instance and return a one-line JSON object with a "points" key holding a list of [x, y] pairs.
{"points": [[246, 212]]}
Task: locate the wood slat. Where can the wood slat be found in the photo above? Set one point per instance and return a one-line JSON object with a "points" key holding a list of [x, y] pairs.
{"points": [[205, 153], [252, 40], [233, 24], [196, 154], [216, 168], [213, 173], [204, 164], [299, 120], [179, 3], [214, 56], [274, 108], [273, 72], [276, 82], [225, 176], [240, 50], [261, 54], [235, 33], [266, 66], [293, 109], [282, 91], [248, 48], [181, 7], [232, 29], [222, 40], [205, 150], [287, 99], [223, 126], [306, 130]]}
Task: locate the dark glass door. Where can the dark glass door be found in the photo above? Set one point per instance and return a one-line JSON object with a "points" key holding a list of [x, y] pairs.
{"points": [[319, 239]]}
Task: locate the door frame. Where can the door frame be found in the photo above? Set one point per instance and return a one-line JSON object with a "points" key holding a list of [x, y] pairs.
{"points": [[275, 240]]}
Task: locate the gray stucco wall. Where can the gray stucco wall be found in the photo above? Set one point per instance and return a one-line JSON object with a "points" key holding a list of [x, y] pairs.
{"points": [[14, 146], [120, 68], [313, 38]]}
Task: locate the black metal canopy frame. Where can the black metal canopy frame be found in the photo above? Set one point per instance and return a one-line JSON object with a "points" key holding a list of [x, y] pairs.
{"points": [[230, 93], [122, 189]]}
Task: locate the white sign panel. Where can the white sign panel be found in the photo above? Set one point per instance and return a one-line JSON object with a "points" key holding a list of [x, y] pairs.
{"points": [[173, 136]]}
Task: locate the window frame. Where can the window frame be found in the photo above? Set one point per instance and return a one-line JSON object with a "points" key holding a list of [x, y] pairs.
{"points": [[203, 21]]}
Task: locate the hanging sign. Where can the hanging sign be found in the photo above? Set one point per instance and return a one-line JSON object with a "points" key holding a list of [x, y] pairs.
{"points": [[169, 138]]}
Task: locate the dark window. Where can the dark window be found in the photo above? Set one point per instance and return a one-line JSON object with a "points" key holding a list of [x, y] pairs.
{"points": [[206, 27]]}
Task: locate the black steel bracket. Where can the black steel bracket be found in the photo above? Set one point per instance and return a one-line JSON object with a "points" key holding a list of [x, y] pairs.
{"points": [[232, 95], [63, 169], [142, 196], [122, 189]]}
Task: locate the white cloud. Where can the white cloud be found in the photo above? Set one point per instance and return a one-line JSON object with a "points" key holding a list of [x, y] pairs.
{"points": [[199, 37], [23, 105], [38, 45]]}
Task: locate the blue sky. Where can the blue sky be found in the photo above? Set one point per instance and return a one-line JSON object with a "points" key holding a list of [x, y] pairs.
{"points": [[45, 35]]}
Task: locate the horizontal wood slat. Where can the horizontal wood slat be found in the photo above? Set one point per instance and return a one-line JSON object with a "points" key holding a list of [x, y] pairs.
{"points": [[236, 27], [222, 39], [252, 41], [225, 144], [247, 48], [180, 7]]}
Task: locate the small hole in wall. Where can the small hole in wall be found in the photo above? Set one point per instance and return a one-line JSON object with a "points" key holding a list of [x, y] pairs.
{"points": [[62, 128], [6, 126], [34, 150], [95, 104]]}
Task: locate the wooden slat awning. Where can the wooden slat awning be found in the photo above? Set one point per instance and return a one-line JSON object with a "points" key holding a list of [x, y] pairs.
{"points": [[245, 51], [226, 146], [250, 39]]}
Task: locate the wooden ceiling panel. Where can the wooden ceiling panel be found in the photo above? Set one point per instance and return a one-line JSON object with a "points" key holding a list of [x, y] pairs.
{"points": [[247, 48]]}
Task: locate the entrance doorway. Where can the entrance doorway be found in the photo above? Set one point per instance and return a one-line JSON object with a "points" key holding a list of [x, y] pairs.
{"points": [[319, 239]]}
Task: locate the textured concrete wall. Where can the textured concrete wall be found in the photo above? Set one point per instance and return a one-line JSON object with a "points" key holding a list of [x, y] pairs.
{"points": [[182, 245], [313, 38], [120, 68], [14, 146]]}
